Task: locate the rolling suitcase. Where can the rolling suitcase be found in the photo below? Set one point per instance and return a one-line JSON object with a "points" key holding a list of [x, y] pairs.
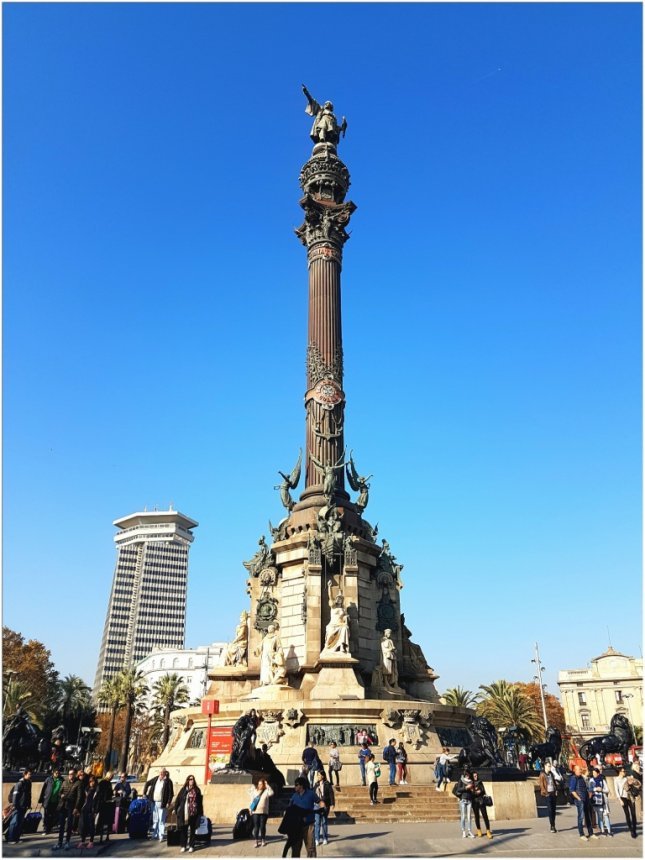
{"points": [[139, 818], [243, 825], [204, 831], [31, 822]]}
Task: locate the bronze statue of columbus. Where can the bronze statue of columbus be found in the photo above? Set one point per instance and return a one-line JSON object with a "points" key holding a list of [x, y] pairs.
{"points": [[325, 128]]}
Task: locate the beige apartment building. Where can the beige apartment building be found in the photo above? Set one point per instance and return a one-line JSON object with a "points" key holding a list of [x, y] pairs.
{"points": [[612, 684]]}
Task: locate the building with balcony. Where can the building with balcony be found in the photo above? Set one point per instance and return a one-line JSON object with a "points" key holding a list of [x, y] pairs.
{"points": [[191, 664], [147, 605], [611, 684]]}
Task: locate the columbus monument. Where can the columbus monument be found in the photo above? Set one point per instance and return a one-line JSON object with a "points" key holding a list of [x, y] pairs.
{"points": [[321, 651]]}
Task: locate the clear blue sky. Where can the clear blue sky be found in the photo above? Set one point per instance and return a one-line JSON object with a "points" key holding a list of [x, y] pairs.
{"points": [[155, 308]]}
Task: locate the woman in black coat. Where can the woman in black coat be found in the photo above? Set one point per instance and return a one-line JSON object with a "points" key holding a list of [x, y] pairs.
{"points": [[189, 807], [479, 805]]}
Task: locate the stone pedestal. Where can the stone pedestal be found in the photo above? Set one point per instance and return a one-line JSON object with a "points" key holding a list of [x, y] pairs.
{"points": [[337, 678], [269, 693]]}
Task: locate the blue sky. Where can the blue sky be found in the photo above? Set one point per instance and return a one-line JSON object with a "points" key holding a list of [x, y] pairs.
{"points": [[155, 308]]}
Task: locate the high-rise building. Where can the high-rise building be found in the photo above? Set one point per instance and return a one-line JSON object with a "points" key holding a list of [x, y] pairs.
{"points": [[147, 605]]}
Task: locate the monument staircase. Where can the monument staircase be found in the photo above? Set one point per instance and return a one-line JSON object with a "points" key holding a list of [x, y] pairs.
{"points": [[411, 803]]}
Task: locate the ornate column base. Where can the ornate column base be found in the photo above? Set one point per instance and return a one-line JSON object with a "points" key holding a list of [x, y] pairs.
{"points": [[337, 678]]}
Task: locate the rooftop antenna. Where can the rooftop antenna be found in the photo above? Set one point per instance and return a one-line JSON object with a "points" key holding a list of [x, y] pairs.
{"points": [[170, 506], [609, 637]]}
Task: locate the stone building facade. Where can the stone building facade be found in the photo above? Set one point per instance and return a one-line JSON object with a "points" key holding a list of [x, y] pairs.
{"points": [[611, 684]]}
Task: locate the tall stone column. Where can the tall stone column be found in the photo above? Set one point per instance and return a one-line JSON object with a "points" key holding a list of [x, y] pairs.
{"points": [[324, 180]]}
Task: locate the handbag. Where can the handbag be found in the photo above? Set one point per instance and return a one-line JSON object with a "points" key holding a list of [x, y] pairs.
{"points": [[487, 800], [255, 801], [377, 770], [336, 764]]}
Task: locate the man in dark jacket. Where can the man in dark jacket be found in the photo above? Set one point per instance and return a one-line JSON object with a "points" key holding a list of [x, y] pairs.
{"points": [[49, 799], [21, 799], [389, 755], [71, 798], [160, 792]]}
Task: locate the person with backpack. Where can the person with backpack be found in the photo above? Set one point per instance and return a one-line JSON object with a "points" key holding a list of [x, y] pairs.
{"points": [[324, 802], [389, 757], [189, 808], [20, 797], [49, 799], [600, 801], [260, 811], [463, 791], [622, 786], [401, 763], [372, 772]]}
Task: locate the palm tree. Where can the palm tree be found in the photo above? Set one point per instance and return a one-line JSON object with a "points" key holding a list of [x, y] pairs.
{"points": [[15, 694], [506, 705], [73, 700], [133, 687], [460, 698], [169, 691], [111, 697]]}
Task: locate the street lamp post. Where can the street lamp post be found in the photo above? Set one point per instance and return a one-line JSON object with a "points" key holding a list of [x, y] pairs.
{"points": [[538, 678]]}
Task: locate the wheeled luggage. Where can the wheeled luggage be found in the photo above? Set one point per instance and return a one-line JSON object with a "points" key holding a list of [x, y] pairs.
{"points": [[204, 831], [31, 822], [172, 835], [243, 825], [139, 818]]}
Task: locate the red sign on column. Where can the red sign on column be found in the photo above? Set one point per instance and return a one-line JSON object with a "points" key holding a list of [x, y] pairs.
{"points": [[220, 740]]}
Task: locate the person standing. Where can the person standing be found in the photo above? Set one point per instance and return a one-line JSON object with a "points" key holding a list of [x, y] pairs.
{"points": [[160, 792], [312, 762], [86, 826], [364, 755], [600, 801], [49, 799], [549, 790], [335, 764], [260, 811], [123, 794], [389, 757], [303, 799], [105, 804], [580, 793], [479, 805], [189, 807], [442, 766], [70, 801], [463, 790], [621, 787], [323, 803], [372, 773], [401, 763], [21, 799]]}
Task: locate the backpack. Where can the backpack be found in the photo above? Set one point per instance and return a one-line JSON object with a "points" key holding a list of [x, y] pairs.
{"points": [[386, 755], [458, 789], [243, 825]]}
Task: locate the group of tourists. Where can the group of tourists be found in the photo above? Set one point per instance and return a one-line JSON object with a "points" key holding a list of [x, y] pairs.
{"points": [[590, 793]]}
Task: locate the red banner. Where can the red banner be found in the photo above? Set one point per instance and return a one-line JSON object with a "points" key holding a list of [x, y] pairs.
{"points": [[220, 740]]}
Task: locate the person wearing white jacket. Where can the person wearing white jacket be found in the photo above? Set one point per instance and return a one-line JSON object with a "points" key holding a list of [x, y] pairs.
{"points": [[372, 772], [260, 811]]}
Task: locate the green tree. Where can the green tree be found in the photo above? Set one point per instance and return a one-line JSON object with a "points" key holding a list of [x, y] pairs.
{"points": [[15, 694], [74, 701], [460, 698], [505, 705], [111, 697], [169, 692], [133, 687], [554, 710]]}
